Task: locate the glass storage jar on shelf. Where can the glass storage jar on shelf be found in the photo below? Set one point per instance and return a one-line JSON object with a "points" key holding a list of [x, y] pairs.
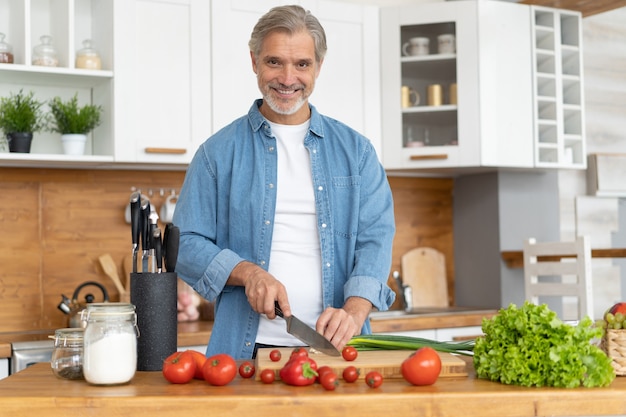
{"points": [[6, 54], [45, 54], [67, 357], [88, 57]]}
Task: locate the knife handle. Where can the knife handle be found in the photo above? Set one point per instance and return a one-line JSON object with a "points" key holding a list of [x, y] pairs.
{"points": [[277, 310], [157, 244], [135, 217]]}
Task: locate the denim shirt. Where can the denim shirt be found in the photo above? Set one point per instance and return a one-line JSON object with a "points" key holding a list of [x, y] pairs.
{"points": [[225, 213]]}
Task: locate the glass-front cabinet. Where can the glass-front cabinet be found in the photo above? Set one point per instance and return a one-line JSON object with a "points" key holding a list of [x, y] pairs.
{"points": [[457, 86]]}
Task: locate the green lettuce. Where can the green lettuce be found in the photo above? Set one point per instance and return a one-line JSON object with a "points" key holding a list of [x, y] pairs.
{"points": [[531, 346]]}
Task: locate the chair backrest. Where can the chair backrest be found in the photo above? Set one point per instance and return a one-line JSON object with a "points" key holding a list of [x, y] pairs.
{"points": [[560, 269], [424, 270]]}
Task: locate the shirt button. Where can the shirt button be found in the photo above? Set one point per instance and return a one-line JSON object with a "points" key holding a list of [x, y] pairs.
{"points": [[320, 188], [323, 225], [262, 262], [271, 149], [327, 264], [248, 343], [271, 185], [267, 222], [314, 150]]}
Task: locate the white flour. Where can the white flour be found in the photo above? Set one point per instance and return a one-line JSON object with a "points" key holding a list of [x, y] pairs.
{"points": [[111, 360]]}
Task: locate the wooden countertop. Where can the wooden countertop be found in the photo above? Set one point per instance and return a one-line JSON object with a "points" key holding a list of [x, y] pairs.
{"points": [[36, 391]]}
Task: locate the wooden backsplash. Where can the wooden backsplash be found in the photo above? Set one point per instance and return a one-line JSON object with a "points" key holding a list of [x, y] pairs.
{"points": [[55, 223]]}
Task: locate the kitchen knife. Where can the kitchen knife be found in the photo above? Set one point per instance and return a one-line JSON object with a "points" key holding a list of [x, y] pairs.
{"points": [[153, 218], [145, 228], [303, 332], [157, 245], [171, 238], [135, 224]]}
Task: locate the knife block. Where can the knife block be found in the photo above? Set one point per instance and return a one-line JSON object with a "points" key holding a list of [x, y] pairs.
{"points": [[154, 296]]}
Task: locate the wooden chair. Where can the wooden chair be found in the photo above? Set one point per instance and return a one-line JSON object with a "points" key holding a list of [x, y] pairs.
{"points": [[424, 270], [545, 262]]}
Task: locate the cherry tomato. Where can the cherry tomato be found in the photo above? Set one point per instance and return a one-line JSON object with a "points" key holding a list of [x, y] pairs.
{"points": [[374, 379], [268, 376], [422, 367], [323, 370], [219, 369], [299, 351], [179, 367], [246, 369], [329, 381], [349, 353], [350, 374], [200, 359], [275, 355]]}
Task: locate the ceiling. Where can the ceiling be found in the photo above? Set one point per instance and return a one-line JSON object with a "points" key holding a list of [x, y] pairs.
{"points": [[586, 7]]}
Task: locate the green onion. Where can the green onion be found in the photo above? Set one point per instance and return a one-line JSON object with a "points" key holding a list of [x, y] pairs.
{"points": [[395, 342]]}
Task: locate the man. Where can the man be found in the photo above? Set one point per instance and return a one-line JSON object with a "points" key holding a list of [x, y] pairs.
{"points": [[286, 205]]}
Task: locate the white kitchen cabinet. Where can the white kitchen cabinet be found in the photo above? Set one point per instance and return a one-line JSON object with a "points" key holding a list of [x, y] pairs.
{"points": [[162, 83], [490, 124], [558, 94], [154, 86], [69, 22], [348, 88]]}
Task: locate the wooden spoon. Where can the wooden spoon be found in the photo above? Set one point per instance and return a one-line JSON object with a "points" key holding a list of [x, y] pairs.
{"points": [[109, 268]]}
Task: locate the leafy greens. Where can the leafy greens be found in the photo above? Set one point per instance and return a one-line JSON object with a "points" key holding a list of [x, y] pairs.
{"points": [[531, 346]]}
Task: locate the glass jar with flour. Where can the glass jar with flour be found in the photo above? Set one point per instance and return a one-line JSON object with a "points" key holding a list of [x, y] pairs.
{"points": [[110, 343]]}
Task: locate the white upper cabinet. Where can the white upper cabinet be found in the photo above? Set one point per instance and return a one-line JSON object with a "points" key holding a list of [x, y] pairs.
{"points": [[162, 79], [348, 88], [488, 122]]}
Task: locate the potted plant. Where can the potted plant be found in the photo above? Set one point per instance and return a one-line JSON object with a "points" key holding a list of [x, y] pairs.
{"points": [[73, 122], [21, 115]]}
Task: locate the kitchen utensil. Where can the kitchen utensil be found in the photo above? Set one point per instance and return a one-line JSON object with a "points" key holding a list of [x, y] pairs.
{"points": [[424, 270], [75, 308], [303, 332], [145, 229], [153, 218], [109, 268], [387, 362], [157, 244], [135, 225], [171, 239]]}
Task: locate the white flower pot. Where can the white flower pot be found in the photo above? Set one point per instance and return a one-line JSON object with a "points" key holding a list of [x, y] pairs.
{"points": [[74, 143]]}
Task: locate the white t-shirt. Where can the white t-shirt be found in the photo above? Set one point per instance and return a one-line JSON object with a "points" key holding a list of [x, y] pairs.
{"points": [[295, 258]]}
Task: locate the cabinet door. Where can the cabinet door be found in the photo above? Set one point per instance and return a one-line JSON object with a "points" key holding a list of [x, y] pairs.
{"points": [[474, 106], [162, 79], [348, 86]]}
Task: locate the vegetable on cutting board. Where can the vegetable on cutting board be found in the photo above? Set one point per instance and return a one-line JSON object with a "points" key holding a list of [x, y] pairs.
{"points": [[531, 346], [395, 342]]}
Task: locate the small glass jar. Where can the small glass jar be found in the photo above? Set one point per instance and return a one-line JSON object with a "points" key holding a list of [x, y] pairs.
{"points": [[88, 58], [6, 56], [67, 356], [110, 343], [45, 54]]}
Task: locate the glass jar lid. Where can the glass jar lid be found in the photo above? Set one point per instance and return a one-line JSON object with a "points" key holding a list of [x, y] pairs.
{"points": [[106, 311], [68, 337], [88, 49], [45, 48], [4, 47]]}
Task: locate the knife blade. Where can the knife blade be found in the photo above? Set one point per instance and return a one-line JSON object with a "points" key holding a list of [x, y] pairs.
{"points": [[135, 224], [306, 334]]}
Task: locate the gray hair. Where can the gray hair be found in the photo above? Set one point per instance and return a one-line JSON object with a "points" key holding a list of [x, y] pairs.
{"points": [[289, 19]]}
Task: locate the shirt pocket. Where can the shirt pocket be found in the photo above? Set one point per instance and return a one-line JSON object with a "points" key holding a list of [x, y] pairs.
{"points": [[345, 205]]}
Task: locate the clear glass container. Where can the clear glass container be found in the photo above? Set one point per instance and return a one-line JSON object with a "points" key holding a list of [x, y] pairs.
{"points": [[45, 54], [67, 356], [88, 58], [6, 54], [110, 343]]}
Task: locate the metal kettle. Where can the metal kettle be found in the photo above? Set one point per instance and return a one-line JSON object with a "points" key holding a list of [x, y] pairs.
{"points": [[73, 308]]}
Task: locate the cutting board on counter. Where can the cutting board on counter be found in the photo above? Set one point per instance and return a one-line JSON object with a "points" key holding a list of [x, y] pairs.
{"points": [[387, 362], [424, 270]]}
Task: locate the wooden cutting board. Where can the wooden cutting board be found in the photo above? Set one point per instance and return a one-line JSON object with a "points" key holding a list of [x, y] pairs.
{"points": [[387, 362], [424, 270]]}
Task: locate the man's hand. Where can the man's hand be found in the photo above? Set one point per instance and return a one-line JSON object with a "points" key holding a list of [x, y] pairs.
{"points": [[339, 325], [262, 289]]}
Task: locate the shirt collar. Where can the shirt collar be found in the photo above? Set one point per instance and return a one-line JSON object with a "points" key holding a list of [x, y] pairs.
{"points": [[257, 120]]}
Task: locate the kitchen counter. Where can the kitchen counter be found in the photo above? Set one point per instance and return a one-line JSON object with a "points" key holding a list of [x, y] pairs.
{"points": [[36, 391]]}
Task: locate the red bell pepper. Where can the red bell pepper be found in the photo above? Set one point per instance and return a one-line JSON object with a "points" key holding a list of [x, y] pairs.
{"points": [[299, 371]]}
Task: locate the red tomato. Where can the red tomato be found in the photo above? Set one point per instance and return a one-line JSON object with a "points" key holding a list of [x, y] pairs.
{"points": [[374, 379], [422, 367], [267, 376], [246, 369], [200, 359], [299, 351], [329, 381], [219, 369], [350, 374], [179, 367], [349, 353], [275, 355], [322, 370]]}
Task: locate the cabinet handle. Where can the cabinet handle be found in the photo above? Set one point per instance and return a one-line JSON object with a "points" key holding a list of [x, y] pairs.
{"points": [[424, 157], [174, 151]]}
